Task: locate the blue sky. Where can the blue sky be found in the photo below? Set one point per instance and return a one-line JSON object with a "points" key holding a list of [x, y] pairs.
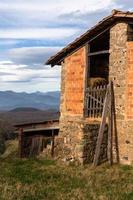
{"points": [[33, 30]]}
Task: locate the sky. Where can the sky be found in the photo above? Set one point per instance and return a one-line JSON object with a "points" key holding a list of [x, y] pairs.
{"points": [[32, 31]]}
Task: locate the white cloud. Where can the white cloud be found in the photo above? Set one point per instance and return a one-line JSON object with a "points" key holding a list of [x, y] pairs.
{"points": [[32, 55], [43, 20], [17, 77], [25, 70], [8, 42], [37, 33], [43, 14], [52, 5]]}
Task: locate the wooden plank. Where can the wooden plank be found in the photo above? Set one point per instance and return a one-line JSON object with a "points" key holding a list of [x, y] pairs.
{"points": [[87, 75], [52, 148], [83, 44], [101, 130], [97, 104], [20, 138], [94, 98], [115, 134], [95, 101], [98, 53], [110, 127], [39, 129]]}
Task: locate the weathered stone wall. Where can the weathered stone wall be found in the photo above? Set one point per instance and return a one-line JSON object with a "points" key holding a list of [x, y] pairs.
{"points": [[77, 142], [122, 80], [89, 143], [69, 145]]}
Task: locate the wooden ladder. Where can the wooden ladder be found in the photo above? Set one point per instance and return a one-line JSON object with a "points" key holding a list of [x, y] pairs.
{"points": [[108, 112]]}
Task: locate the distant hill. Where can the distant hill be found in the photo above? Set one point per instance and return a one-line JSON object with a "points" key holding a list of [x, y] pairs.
{"points": [[28, 116], [24, 109], [10, 100]]}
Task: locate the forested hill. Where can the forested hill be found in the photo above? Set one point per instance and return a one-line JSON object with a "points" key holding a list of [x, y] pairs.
{"points": [[43, 101]]}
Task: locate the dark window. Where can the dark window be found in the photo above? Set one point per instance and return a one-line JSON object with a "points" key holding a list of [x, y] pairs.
{"points": [[98, 57], [130, 32]]}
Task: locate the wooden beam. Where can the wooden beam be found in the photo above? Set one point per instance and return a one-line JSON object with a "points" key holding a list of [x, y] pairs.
{"points": [[87, 75], [99, 53], [110, 126], [101, 130], [52, 147], [115, 134], [20, 138], [82, 45]]}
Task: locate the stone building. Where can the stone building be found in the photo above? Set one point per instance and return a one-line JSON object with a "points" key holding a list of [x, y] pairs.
{"points": [[105, 51]]}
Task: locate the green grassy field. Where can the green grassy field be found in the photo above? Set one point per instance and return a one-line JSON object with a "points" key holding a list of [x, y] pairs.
{"points": [[48, 180]]}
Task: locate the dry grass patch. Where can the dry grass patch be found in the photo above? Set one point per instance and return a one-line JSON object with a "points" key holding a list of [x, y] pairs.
{"points": [[48, 180]]}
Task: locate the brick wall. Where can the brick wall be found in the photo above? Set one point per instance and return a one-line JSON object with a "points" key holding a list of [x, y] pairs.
{"points": [[74, 82], [129, 105], [129, 99]]}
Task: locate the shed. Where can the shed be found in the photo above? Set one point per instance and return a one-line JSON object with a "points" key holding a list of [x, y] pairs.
{"points": [[37, 137], [104, 52]]}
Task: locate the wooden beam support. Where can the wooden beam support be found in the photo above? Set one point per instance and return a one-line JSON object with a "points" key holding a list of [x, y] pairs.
{"points": [[99, 53], [110, 129], [52, 147], [87, 75], [20, 138], [101, 130]]}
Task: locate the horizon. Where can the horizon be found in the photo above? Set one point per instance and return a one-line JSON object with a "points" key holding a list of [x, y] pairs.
{"points": [[30, 92], [31, 32]]}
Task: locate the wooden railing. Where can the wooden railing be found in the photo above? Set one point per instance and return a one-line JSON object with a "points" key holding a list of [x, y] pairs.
{"points": [[94, 100]]}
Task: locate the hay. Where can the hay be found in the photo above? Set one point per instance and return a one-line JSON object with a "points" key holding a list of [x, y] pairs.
{"points": [[96, 81], [11, 149]]}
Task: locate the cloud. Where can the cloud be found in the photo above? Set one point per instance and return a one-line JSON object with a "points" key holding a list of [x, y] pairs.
{"points": [[32, 55], [5, 74], [25, 70], [14, 76], [46, 14], [8, 42], [31, 31], [124, 5], [37, 33], [51, 5]]}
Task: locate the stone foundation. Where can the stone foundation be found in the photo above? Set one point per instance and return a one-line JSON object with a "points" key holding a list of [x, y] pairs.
{"points": [[69, 145], [90, 139], [77, 142]]}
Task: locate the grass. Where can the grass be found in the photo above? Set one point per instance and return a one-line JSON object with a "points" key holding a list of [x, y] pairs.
{"points": [[49, 180]]}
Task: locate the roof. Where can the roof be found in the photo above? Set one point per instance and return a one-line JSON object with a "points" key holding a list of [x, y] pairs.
{"points": [[39, 129], [106, 22], [36, 123]]}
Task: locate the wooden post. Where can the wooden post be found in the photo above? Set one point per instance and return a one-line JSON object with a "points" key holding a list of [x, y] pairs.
{"points": [[115, 128], [101, 130], [110, 126], [52, 148], [20, 138], [87, 76]]}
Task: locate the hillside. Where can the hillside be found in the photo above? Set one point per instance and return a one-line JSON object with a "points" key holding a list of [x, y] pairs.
{"points": [[23, 115], [48, 180], [24, 109], [43, 101]]}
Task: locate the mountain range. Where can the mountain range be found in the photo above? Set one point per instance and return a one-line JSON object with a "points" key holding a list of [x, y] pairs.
{"points": [[10, 100]]}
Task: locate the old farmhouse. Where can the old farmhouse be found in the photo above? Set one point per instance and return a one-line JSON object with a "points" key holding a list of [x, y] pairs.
{"points": [[101, 56]]}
